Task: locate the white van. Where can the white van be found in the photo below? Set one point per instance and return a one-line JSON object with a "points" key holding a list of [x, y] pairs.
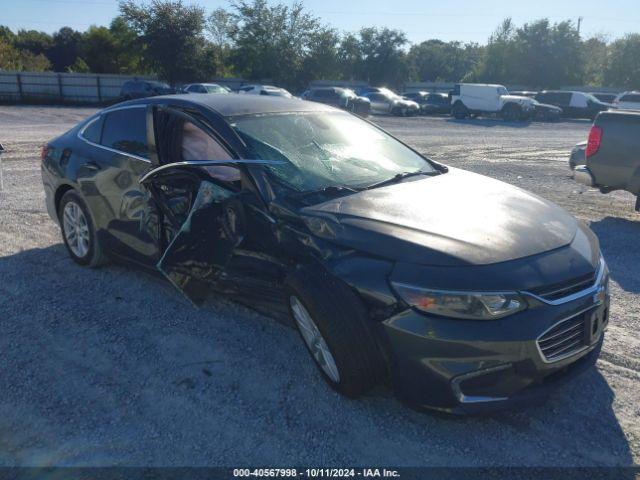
{"points": [[481, 98]]}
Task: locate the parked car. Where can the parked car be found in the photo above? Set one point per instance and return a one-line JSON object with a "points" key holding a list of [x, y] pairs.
{"points": [[611, 159], [143, 88], [627, 101], [267, 90], [545, 112], [300, 208], [605, 97], [430, 102], [386, 102], [339, 97], [204, 88], [573, 104], [480, 99]]}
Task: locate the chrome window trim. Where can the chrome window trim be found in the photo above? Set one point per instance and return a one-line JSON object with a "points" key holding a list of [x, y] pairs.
{"points": [[80, 134], [592, 290]]}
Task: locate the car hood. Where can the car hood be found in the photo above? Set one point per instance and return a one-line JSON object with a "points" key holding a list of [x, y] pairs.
{"points": [[410, 103], [458, 218], [518, 98], [547, 106]]}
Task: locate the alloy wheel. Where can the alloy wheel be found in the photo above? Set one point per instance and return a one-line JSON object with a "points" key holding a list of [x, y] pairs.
{"points": [[314, 340], [76, 229]]}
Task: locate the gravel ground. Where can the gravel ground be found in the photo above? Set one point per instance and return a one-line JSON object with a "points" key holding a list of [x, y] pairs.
{"points": [[113, 367]]}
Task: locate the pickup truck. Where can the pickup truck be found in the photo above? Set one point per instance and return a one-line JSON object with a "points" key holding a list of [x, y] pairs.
{"points": [[480, 98], [612, 154]]}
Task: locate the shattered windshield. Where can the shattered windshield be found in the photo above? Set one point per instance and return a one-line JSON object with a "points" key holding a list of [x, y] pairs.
{"points": [[321, 150]]}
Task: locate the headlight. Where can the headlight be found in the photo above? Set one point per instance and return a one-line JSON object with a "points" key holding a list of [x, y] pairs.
{"points": [[468, 305]]}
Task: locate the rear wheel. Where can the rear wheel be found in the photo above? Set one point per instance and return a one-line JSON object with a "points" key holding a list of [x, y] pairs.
{"points": [[78, 231], [459, 111], [333, 325]]}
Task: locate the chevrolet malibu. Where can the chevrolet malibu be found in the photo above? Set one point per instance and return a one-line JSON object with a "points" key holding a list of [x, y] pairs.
{"points": [[462, 293]]}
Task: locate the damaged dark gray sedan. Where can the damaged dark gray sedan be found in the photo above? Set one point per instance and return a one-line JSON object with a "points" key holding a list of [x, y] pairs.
{"points": [[462, 293]]}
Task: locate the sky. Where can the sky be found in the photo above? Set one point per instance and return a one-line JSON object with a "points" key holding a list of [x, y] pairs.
{"points": [[463, 20]]}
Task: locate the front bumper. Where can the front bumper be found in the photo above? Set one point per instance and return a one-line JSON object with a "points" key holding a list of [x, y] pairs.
{"points": [[476, 366]]}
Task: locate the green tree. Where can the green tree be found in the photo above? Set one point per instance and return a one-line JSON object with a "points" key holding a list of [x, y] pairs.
{"points": [[220, 26], [6, 35], [171, 34], [383, 60], [623, 64], [537, 54], [99, 47], [498, 60], [271, 42], [65, 48], [321, 61], [21, 60], [128, 49], [594, 54], [36, 42], [350, 57], [435, 60]]}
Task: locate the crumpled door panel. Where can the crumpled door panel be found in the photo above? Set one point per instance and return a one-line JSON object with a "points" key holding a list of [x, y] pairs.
{"points": [[205, 242]]}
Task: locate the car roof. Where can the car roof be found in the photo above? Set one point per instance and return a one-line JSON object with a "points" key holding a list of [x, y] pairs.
{"points": [[236, 105], [629, 92]]}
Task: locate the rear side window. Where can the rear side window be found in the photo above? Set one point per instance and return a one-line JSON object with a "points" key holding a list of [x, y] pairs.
{"points": [[126, 130], [631, 98], [564, 98], [321, 94], [93, 131]]}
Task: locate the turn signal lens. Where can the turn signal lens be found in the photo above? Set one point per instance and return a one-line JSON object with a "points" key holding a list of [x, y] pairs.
{"points": [[44, 150]]}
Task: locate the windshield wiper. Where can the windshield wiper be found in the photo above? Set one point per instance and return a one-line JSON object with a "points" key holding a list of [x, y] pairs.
{"points": [[330, 190], [399, 177]]}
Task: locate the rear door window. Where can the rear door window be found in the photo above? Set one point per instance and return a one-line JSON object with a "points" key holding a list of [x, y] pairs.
{"points": [[125, 130]]}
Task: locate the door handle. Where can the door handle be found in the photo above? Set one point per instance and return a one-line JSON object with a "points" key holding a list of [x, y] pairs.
{"points": [[91, 166]]}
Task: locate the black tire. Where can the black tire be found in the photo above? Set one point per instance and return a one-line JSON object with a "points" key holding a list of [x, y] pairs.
{"points": [[94, 256], [459, 111], [341, 319], [511, 112]]}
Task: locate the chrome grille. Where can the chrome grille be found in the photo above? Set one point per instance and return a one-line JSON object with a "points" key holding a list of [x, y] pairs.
{"points": [[554, 292], [564, 338]]}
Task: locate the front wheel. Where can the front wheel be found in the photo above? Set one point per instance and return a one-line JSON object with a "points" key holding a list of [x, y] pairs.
{"points": [[511, 113], [333, 325], [78, 231]]}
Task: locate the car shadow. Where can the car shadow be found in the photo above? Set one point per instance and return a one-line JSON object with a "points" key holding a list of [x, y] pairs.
{"points": [[125, 360], [620, 249]]}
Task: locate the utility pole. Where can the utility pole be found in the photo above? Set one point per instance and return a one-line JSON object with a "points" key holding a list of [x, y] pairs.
{"points": [[579, 23]]}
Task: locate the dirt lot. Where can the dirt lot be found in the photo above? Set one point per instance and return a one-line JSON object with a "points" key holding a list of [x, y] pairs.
{"points": [[111, 366]]}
